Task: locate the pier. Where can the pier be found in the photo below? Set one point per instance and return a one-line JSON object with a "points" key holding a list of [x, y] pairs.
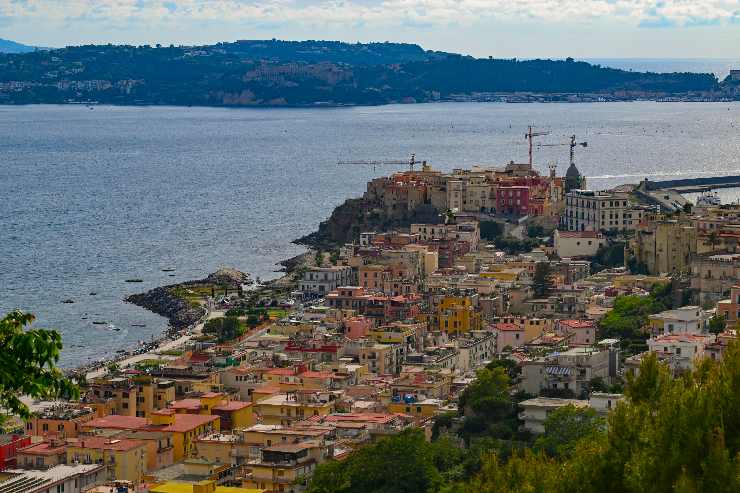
{"points": [[689, 185]]}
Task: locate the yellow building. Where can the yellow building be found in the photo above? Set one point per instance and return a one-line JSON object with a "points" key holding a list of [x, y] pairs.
{"points": [[184, 429], [456, 315], [421, 409], [395, 333], [233, 414], [199, 487], [281, 466], [285, 408], [125, 458], [137, 396]]}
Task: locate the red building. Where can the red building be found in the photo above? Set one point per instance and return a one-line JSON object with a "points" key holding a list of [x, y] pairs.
{"points": [[9, 445], [512, 200]]}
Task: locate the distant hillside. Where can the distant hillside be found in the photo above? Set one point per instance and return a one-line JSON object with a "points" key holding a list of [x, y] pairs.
{"points": [[7, 46], [259, 73]]}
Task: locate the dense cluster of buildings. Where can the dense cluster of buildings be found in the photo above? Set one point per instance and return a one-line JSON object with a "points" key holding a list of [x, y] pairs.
{"points": [[387, 336]]}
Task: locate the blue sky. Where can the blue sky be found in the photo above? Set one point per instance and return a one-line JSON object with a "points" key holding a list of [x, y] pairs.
{"points": [[500, 28]]}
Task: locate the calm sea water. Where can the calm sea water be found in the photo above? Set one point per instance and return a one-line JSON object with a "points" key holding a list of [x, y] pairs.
{"points": [[94, 197], [718, 66]]}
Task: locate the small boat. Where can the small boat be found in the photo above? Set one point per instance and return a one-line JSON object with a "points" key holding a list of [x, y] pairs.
{"points": [[93, 293], [68, 301], [138, 325], [168, 270], [99, 322], [134, 280]]}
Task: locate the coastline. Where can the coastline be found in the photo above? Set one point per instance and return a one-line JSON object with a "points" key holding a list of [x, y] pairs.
{"points": [[181, 329]]}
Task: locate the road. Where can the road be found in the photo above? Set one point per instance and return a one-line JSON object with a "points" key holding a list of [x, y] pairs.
{"points": [[164, 346]]}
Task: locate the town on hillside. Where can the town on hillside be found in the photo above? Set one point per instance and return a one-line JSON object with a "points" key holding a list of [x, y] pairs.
{"points": [[438, 290]]}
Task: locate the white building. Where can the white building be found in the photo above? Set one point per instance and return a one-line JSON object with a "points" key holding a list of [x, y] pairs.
{"points": [[680, 351], [578, 243], [462, 231], [569, 370], [323, 280], [684, 320], [535, 411], [603, 402], [474, 349], [588, 210]]}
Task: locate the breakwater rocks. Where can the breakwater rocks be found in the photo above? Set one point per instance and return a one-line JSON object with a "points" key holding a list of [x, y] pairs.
{"points": [[164, 302], [174, 303]]}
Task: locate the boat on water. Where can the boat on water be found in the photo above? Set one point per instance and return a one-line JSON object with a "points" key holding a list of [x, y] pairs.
{"points": [[134, 280], [168, 269], [138, 325], [708, 198], [100, 322]]}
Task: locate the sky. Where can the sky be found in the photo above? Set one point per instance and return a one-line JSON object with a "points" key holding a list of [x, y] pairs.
{"points": [[498, 28]]}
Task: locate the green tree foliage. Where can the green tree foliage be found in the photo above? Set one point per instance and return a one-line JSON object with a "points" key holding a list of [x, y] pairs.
{"points": [[224, 328], [404, 463], [535, 231], [610, 255], [630, 314], [717, 324], [490, 230], [565, 427], [542, 282], [671, 434], [28, 359]]}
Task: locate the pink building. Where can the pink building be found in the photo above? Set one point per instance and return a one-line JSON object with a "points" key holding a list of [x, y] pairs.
{"points": [[358, 327], [508, 335], [584, 331]]}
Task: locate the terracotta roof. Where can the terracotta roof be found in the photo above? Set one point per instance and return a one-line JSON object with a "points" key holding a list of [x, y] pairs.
{"points": [[103, 443], [317, 374], [183, 422], [232, 406], [43, 448], [186, 404], [117, 422], [577, 324], [507, 327]]}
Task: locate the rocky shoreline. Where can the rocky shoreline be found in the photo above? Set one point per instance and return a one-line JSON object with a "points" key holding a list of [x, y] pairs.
{"points": [[180, 313]]}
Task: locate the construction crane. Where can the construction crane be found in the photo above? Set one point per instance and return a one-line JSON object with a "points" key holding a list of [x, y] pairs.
{"points": [[530, 135], [572, 144], [411, 162]]}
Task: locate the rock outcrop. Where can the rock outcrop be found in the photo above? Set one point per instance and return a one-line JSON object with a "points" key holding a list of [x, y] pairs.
{"points": [[354, 216]]}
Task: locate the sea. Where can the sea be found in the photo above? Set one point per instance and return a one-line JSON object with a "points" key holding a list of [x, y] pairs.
{"points": [[93, 196]]}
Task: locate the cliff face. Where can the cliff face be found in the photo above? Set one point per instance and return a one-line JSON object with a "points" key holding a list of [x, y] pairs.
{"points": [[355, 216]]}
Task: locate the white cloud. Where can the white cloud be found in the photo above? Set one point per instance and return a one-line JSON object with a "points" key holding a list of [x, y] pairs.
{"points": [[378, 13]]}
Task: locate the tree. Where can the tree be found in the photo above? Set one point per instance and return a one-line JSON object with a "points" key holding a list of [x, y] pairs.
{"points": [[319, 258], [403, 463], [28, 359], [224, 328], [565, 426], [490, 230], [542, 282], [717, 324], [488, 395]]}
